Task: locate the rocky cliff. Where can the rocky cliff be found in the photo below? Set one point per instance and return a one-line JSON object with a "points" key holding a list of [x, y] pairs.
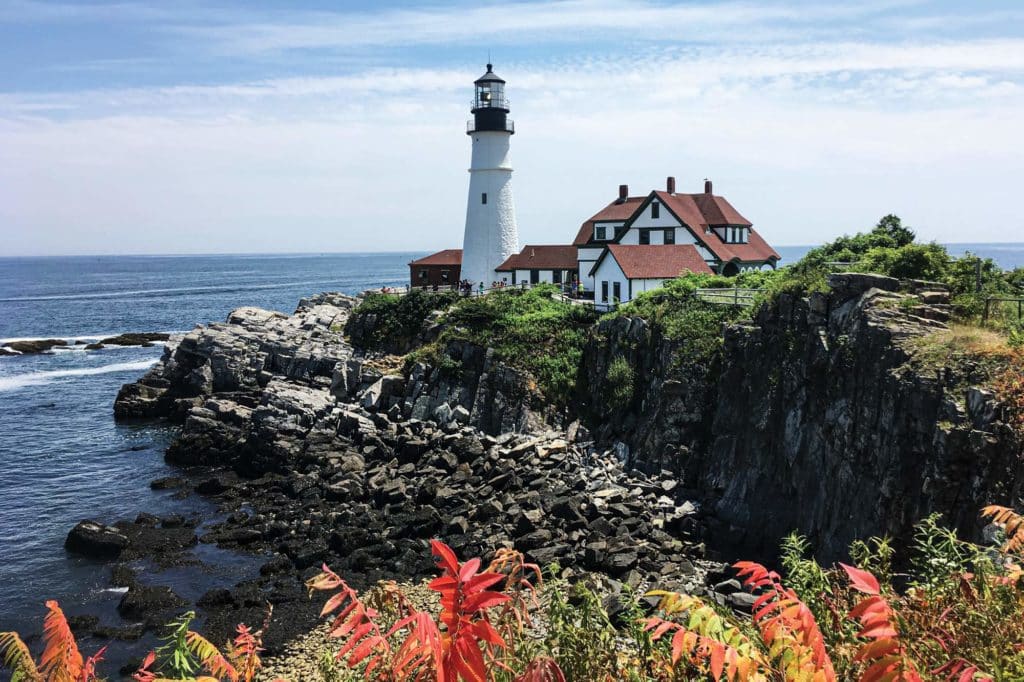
{"points": [[320, 452], [814, 417]]}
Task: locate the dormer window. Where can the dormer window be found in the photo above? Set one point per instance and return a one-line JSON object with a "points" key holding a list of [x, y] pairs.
{"points": [[599, 232], [736, 235], [655, 210]]}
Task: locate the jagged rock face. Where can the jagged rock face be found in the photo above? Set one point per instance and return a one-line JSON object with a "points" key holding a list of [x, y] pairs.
{"points": [[248, 389], [668, 415], [815, 422], [241, 356]]}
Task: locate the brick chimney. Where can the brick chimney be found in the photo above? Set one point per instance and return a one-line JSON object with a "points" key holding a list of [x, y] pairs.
{"points": [[707, 186], [670, 185], [623, 192]]}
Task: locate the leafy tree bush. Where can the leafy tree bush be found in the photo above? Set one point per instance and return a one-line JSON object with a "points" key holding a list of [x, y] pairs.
{"points": [[621, 379], [531, 329], [677, 312], [398, 317], [889, 249]]}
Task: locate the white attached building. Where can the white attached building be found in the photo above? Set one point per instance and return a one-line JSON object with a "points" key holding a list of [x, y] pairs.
{"points": [[725, 241], [624, 270], [537, 264]]}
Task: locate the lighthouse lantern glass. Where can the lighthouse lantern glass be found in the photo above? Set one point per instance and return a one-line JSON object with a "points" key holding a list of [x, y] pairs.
{"points": [[490, 95]]}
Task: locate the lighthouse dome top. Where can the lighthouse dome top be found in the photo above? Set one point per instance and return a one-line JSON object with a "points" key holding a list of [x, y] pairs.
{"points": [[490, 107], [489, 77]]}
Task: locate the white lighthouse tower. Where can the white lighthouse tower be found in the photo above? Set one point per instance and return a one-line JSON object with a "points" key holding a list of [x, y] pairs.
{"points": [[491, 235]]}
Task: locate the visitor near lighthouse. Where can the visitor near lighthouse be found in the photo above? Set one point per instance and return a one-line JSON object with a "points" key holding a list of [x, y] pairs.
{"points": [[491, 235]]}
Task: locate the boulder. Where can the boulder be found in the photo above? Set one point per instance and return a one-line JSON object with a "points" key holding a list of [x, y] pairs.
{"points": [[33, 346], [149, 603], [95, 540]]}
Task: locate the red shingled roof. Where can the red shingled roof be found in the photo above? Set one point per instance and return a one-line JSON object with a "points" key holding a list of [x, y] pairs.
{"points": [[541, 257], [614, 211], [698, 212], [446, 257], [656, 261], [755, 250]]}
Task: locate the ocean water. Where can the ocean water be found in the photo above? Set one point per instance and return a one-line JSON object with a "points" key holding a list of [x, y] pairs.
{"points": [[62, 456]]}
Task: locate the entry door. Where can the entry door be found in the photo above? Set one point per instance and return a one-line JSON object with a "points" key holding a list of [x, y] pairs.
{"points": [[617, 291]]}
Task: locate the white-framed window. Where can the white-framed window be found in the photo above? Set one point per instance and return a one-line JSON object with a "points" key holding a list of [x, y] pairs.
{"points": [[600, 232]]}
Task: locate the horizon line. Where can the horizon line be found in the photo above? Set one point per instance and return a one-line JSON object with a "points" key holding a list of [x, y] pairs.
{"points": [[214, 254]]}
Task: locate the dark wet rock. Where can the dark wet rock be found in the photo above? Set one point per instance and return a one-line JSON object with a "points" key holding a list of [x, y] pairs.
{"points": [[126, 633], [216, 597], [82, 624], [122, 575], [149, 603], [215, 485], [95, 540], [279, 564], [135, 339], [33, 346], [168, 483]]}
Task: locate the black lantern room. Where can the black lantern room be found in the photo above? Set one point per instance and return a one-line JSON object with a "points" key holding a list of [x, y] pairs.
{"points": [[490, 106]]}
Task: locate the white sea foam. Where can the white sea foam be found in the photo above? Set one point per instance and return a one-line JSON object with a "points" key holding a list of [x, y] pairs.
{"points": [[175, 290], [13, 383], [72, 339]]}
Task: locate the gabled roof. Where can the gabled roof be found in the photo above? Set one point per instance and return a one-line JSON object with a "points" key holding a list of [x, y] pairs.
{"points": [[654, 261], [541, 257], [615, 211], [756, 249], [699, 212], [446, 257]]}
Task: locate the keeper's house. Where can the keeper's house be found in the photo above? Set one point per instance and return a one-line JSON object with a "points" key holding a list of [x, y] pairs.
{"points": [[439, 269], [550, 264], [635, 243]]}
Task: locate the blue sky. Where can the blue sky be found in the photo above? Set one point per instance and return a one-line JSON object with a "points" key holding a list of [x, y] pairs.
{"points": [[155, 127]]}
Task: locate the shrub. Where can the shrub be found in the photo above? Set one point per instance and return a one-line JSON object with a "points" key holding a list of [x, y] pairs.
{"points": [[61, 661], [461, 644], [621, 378], [679, 315], [397, 317], [529, 329], [961, 619]]}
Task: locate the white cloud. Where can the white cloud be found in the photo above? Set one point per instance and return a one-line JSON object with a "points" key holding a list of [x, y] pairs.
{"points": [[807, 137]]}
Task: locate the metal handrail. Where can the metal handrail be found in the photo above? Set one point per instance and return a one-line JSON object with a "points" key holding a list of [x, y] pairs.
{"points": [[1019, 300], [730, 296], [510, 126]]}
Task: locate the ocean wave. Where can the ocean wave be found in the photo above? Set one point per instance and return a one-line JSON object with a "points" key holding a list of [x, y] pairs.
{"points": [[13, 383], [175, 290], [86, 337]]}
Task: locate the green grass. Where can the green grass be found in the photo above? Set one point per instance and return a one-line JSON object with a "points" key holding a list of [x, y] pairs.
{"points": [[680, 316], [399, 317], [526, 329]]}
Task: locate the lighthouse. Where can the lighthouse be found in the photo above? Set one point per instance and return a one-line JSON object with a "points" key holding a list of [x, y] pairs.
{"points": [[491, 235]]}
